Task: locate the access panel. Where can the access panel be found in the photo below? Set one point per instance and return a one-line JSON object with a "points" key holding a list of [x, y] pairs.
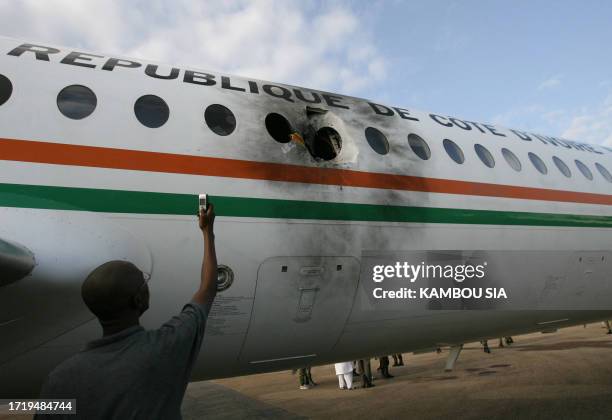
{"points": [[301, 306]]}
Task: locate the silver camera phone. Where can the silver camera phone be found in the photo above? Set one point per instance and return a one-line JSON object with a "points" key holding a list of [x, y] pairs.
{"points": [[203, 202]]}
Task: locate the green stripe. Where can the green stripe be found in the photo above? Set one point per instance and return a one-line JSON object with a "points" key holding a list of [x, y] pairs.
{"points": [[120, 201]]}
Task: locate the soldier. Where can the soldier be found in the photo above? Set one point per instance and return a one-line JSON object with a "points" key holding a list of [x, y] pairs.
{"points": [[303, 378], [311, 382], [365, 371], [485, 346], [384, 367]]}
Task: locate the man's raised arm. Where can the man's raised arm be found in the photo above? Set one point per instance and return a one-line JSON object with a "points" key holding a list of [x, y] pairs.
{"points": [[208, 285]]}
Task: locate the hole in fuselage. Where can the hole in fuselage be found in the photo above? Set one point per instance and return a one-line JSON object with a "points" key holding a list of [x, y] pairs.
{"points": [[278, 127], [326, 144]]}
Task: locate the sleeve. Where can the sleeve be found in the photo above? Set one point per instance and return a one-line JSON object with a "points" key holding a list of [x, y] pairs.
{"points": [[53, 389], [44, 393], [57, 385], [181, 337]]}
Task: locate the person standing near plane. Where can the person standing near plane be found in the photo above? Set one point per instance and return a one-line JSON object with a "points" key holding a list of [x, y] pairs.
{"points": [[344, 371], [130, 372], [305, 376], [384, 367], [398, 360], [311, 381], [365, 371]]}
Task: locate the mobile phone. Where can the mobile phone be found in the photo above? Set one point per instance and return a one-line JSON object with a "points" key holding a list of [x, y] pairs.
{"points": [[203, 202]]}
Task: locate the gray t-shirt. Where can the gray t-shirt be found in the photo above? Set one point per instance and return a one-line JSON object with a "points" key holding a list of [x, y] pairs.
{"points": [[134, 374]]}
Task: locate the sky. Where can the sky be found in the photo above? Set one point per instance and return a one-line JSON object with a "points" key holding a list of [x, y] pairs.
{"points": [[541, 66]]}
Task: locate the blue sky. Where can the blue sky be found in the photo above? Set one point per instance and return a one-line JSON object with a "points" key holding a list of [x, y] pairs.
{"points": [[535, 65], [543, 66]]}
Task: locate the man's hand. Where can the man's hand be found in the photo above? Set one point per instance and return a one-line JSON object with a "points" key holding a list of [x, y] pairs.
{"points": [[207, 218], [208, 278]]}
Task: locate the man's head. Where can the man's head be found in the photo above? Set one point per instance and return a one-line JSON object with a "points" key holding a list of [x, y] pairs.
{"points": [[116, 290]]}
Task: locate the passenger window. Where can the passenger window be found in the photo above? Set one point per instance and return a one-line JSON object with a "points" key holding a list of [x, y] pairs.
{"points": [[278, 127], [152, 111], [584, 169], [220, 119], [485, 156], [511, 159], [453, 151], [419, 146], [538, 163], [6, 89], [604, 172], [377, 140], [562, 166], [76, 101]]}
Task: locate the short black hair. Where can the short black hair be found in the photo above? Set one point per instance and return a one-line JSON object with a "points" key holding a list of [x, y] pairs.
{"points": [[109, 289]]}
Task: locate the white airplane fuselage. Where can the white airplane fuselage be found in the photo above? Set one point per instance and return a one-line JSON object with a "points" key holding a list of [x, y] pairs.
{"points": [[80, 192]]}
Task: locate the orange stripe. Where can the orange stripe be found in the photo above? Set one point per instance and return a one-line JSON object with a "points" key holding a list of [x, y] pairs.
{"points": [[102, 157]]}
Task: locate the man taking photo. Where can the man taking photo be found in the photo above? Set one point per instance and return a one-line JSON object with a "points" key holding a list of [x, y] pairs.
{"points": [[131, 373]]}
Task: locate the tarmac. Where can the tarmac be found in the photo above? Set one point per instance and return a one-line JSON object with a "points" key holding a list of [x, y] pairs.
{"points": [[563, 375]]}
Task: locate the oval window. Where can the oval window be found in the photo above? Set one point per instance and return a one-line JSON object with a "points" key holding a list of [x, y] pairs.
{"points": [[76, 101], [511, 159], [604, 172], [278, 127], [562, 166], [584, 169], [220, 119], [419, 146], [485, 156], [152, 111], [538, 163], [453, 151], [6, 89], [377, 140]]}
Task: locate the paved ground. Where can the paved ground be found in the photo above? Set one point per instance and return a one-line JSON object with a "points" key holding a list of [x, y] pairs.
{"points": [[566, 375]]}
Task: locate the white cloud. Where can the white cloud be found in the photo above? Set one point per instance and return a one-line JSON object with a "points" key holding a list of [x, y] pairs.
{"points": [[319, 45], [592, 125], [551, 82], [520, 116], [555, 117]]}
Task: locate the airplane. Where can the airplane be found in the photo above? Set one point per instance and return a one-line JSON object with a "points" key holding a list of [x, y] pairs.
{"points": [[102, 158]]}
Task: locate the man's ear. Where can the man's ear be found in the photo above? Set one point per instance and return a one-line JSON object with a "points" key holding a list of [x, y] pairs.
{"points": [[140, 301], [135, 301]]}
